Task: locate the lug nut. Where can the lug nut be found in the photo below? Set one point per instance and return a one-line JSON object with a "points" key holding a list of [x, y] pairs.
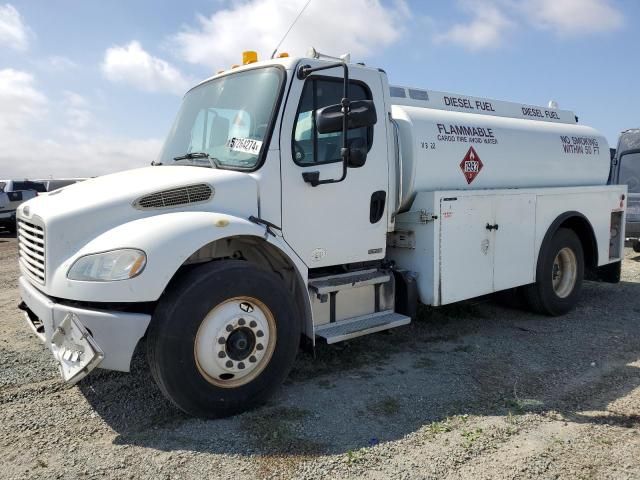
{"points": [[221, 354], [259, 346], [241, 366], [229, 364], [260, 333], [241, 322], [253, 324], [229, 328], [222, 340], [252, 359]]}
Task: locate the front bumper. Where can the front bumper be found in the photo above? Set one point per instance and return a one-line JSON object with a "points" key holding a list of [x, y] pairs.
{"points": [[82, 339]]}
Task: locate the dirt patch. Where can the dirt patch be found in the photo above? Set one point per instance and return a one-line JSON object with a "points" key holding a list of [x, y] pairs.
{"points": [[475, 390]]}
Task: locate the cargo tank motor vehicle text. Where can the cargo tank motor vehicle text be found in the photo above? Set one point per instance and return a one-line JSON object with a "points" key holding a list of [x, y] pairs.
{"points": [[306, 197]]}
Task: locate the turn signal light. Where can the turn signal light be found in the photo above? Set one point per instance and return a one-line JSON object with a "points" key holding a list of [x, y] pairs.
{"points": [[283, 55], [249, 56]]}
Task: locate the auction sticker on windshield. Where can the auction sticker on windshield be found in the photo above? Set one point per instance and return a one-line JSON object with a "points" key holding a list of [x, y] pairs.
{"points": [[245, 145]]}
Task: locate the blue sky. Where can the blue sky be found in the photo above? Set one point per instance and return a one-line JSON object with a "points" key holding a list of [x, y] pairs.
{"points": [[88, 87]]}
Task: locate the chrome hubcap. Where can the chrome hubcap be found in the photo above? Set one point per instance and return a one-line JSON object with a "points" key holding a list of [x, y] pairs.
{"points": [[235, 342], [564, 273]]}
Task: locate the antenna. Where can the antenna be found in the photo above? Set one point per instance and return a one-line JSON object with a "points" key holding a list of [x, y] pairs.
{"points": [[290, 27]]}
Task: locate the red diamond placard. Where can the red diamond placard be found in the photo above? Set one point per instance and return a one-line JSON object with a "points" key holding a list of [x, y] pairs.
{"points": [[471, 165]]}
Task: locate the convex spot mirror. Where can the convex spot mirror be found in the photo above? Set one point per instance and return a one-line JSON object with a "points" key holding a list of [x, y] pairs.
{"points": [[362, 114], [357, 153]]}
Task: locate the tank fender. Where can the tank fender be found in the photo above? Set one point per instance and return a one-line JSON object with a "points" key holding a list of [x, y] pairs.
{"points": [[583, 228]]}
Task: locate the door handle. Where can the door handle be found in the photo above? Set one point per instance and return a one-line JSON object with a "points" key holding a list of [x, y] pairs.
{"points": [[492, 227]]}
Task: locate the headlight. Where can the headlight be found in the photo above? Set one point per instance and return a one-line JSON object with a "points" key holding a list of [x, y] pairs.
{"points": [[108, 266]]}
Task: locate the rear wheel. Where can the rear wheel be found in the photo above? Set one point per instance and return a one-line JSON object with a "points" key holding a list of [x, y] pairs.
{"points": [[559, 275], [223, 338]]}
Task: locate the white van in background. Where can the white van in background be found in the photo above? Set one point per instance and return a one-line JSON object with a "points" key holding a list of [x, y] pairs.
{"points": [[9, 202], [12, 194]]}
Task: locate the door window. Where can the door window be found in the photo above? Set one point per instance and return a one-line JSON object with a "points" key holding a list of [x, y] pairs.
{"points": [[630, 171], [311, 147]]}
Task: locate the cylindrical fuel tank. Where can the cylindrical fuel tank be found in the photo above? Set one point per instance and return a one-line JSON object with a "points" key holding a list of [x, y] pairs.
{"points": [[448, 150]]}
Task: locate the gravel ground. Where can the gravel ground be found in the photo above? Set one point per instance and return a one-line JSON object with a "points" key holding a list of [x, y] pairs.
{"points": [[475, 390]]}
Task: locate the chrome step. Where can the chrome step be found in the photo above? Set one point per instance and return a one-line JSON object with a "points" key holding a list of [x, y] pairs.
{"points": [[335, 283], [363, 325]]}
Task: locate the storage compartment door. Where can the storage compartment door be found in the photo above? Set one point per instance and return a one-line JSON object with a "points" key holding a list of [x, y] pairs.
{"points": [[514, 254], [466, 248]]}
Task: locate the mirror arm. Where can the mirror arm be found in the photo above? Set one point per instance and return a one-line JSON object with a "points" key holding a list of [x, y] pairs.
{"points": [[303, 72]]}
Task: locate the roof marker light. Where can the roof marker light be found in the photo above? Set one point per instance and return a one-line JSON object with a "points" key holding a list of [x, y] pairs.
{"points": [[249, 56]]}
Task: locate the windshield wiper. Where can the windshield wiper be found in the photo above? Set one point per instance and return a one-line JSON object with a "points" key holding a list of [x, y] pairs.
{"points": [[190, 155], [213, 162]]}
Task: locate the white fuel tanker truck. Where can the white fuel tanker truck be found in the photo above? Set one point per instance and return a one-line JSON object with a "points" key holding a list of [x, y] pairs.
{"points": [[305, 197]]}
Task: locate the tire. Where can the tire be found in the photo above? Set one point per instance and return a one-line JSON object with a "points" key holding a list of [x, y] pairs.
{"points": [[244, 305], [13, 228], [636, 246], [562, 259]]}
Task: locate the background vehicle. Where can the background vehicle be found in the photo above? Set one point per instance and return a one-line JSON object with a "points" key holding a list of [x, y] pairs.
{"points": [[12, 194], [21, 185], [625, 170], [52, 184], [307, 196]]}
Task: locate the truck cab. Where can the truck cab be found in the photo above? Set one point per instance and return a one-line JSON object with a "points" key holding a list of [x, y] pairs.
{"points": [[305, 198], [625, 170]]}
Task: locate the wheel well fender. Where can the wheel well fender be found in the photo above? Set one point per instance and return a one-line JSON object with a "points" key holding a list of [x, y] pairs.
{"points": [[577, 222], [267, 251]]}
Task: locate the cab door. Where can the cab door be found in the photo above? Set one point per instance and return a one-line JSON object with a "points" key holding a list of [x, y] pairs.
{"points": [[343, 222]]}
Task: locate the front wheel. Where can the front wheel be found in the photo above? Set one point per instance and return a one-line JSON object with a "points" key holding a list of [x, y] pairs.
{"points": [[223, 338], [559, 275]]}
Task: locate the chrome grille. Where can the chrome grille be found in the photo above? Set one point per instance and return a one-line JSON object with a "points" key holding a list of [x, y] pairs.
{"points": [[175, 197], [32, 249]]}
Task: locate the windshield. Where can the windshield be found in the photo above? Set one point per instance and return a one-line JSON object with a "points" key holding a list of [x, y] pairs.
{"points": [[227, 119], [630, 171]]}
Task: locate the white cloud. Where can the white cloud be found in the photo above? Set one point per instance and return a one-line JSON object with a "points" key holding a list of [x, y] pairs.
{"points": [[332, 26], [574, 17], [487, 29], [26, 152], [25, 157], [76, 111], [493, 20], [133, 65], [20, 101], [57, 63], [14, 33]]}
